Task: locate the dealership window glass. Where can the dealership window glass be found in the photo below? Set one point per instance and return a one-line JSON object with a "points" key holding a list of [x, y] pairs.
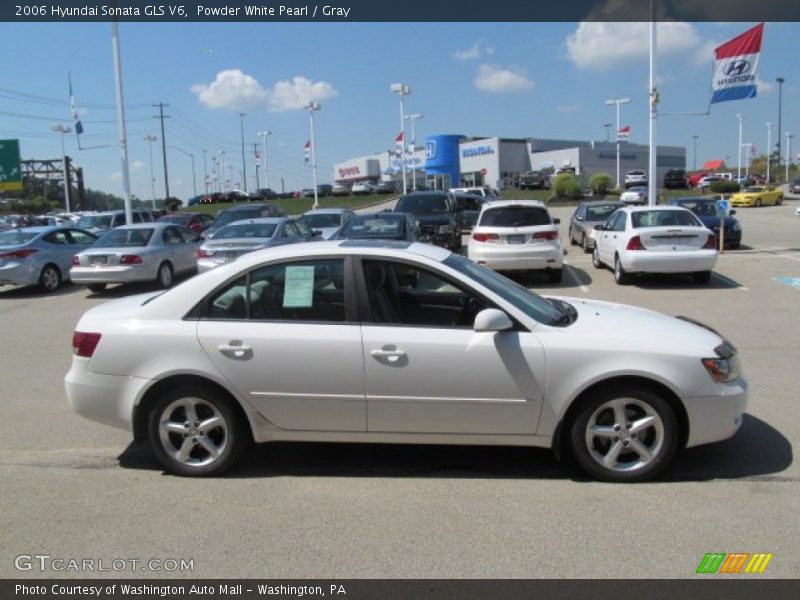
{"points": [[515, 216], [664, 218]]}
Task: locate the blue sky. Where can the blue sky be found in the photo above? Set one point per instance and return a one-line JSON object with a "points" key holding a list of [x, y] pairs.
{"points": [[546, 80]]}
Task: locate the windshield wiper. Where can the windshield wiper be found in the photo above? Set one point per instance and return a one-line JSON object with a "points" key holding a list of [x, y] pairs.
{"points": [[568, 312]]}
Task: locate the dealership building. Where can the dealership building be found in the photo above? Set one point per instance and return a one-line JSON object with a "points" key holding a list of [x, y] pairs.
{"points": [[451, 160]]}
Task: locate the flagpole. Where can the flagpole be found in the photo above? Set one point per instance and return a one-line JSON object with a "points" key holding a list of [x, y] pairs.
{"points": [[652, 179], [123, 143], [313, 107]]}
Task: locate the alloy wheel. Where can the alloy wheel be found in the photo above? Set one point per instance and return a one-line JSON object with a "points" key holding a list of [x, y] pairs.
{"points": [[193, 432]]}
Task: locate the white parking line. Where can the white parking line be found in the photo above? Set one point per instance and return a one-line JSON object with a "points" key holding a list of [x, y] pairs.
{"points": [[574, 276]]}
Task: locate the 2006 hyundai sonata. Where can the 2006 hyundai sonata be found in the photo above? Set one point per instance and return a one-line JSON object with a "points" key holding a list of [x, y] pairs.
{"points": [[361, 341]]}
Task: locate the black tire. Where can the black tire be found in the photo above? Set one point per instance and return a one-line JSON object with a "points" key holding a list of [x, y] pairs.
{"points": [[701, 277], [49, 278], [620, 276], [572, 240], [555, 275], [596, 262], [662, 439], [231, 437], [585, 244], [165, 275], [96, 287], [779, 201]]}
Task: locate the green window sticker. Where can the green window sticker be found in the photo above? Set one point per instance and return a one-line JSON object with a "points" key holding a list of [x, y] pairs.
{"points": [[299, 290]]}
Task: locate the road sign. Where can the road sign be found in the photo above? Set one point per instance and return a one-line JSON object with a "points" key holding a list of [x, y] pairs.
{"points": [[10, 169], [724, 206]]}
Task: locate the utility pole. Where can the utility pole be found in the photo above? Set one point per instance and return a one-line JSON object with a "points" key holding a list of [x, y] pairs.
{"points": [[694, 138], [161, 106], [255, 153], [244, 162], [150, 139], [264, 135]]}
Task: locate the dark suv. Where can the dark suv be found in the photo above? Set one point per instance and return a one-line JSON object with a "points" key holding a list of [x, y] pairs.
{"points": [[251, 210], [676, 179], [440, 220]]}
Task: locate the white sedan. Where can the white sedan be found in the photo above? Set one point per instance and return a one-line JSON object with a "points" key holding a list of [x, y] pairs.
{"points": [[659, 239], [363, 187], [144, 252], [398, 343]]}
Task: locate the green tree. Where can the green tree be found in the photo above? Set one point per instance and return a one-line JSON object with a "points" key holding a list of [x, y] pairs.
{"points": [[600, 183], [566, 186]]}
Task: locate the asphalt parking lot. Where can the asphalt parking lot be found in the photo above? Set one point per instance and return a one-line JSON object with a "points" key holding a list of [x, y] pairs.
{"points": [[76, 489]]}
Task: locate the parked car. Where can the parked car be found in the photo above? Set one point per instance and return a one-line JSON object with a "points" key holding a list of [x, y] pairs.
{"points": [[514, 235], [676, 179], [40, 255], [398, 343], [757, 195], [469, 205], [380, 226], [266, 194], [212, 198], [534, 180], [634, 195], [197, 222], [99, 222], [385, 187], [794, 187], [586, 217], [361, 188], [695, 178], [324, 189], [483, 190], [252, 210], [657, 239], [241, 237], [327, 220], [304, 193], [145, 252], [438, 216], [707, 210], [341, 189], [636, 177]]}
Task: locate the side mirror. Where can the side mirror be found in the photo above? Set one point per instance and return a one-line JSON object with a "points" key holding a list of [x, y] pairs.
{"points": [[732, 212], [579, 218], [556, 221], [599, 227], [491, 319]]}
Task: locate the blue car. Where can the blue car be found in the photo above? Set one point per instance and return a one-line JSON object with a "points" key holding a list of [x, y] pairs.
{"points": [[707, 210], [40, 255]]}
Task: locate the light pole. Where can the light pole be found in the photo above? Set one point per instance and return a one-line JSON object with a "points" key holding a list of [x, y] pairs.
{"points": [[618, 101], [789, 138], [769, 145], [244, 162], [413, 118], [608, 131], [694, 139], [149, 138], [402, 90], [313, 107], [61, 130], [121, 127], [747, 155], [741, 118], [194, 176], [780, 81], [263, 135], [221, 155], [205, 172]]}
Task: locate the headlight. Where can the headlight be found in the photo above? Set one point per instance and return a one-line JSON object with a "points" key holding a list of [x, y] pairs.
{"points": [[444, 229], [736, 226], [725, 367], [590, 232]]}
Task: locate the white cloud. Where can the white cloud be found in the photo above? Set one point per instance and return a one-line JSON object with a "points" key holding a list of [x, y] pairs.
{"points": [[477, 50], [115, 176], [233, 89], [137, 165], [295, 94], [499, 80], [179, 182], [764, 87], [608, 45], [567, 108]]}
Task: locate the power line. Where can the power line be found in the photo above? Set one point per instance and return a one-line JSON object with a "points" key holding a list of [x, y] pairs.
{"points": [[19, 115], [35, 98]]}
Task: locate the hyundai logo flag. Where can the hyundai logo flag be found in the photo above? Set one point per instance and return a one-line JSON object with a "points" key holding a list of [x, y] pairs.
{"points": [[74, 109], [736, 66]]}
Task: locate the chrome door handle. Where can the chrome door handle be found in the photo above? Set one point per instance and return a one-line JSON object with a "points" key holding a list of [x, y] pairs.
{"points": [[229, 348], [386, 353]]}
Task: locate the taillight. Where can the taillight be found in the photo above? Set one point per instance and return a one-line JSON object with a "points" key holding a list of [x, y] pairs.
{"points": [[635, 243], [546, 235], [711, 243], [84, 344], [485, 237], [203, 253], [76, 262], [19, 253], [130, 259]]}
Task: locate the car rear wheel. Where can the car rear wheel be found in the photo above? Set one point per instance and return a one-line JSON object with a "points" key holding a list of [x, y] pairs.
{"points": [[701, 277], [49, 278], [779, 201], [585, 244], [555, 275], [620, 276], [165, 275], [624, 434], [195, 432], [96, 287], [596, 258], [572, 240]]}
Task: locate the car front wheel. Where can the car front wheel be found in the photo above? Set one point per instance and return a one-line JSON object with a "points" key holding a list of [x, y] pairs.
{"points": [[624, 434], [195, 432], [49, 278]]}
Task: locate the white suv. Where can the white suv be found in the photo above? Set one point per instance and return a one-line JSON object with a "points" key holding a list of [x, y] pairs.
{"points": [[636, 177], [515, 235]]}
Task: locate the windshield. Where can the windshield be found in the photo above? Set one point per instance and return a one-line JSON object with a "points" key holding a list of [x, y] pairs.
{"points": [[422, 204], [600, 213], [320, 221], [246, 230], [664, 218], [94, 222], [533, 305], [9, 238], [702, 208], [123, 237], [383, 227], [229, 216], [515, 216], [754, 189]]}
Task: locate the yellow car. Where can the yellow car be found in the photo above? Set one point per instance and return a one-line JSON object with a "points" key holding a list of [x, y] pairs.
{"points": [[757, 195]]}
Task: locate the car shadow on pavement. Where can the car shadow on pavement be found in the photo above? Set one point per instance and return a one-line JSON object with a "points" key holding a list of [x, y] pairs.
{"points": [[758, 450], [32, 291], [680, 281], [131, 289]]}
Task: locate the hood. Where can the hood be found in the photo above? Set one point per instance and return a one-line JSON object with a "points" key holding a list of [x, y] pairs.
{"points": [[640, 327]]}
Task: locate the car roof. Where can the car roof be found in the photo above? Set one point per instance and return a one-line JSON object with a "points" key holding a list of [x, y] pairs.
{"points": [[258, 221], [424, 193], [326, 211], [249, 205], [602, 203], [506, 203], [633, 209]]}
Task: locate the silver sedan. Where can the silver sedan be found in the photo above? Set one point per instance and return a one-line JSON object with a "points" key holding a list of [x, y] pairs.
{"points": [[145, 252]]}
